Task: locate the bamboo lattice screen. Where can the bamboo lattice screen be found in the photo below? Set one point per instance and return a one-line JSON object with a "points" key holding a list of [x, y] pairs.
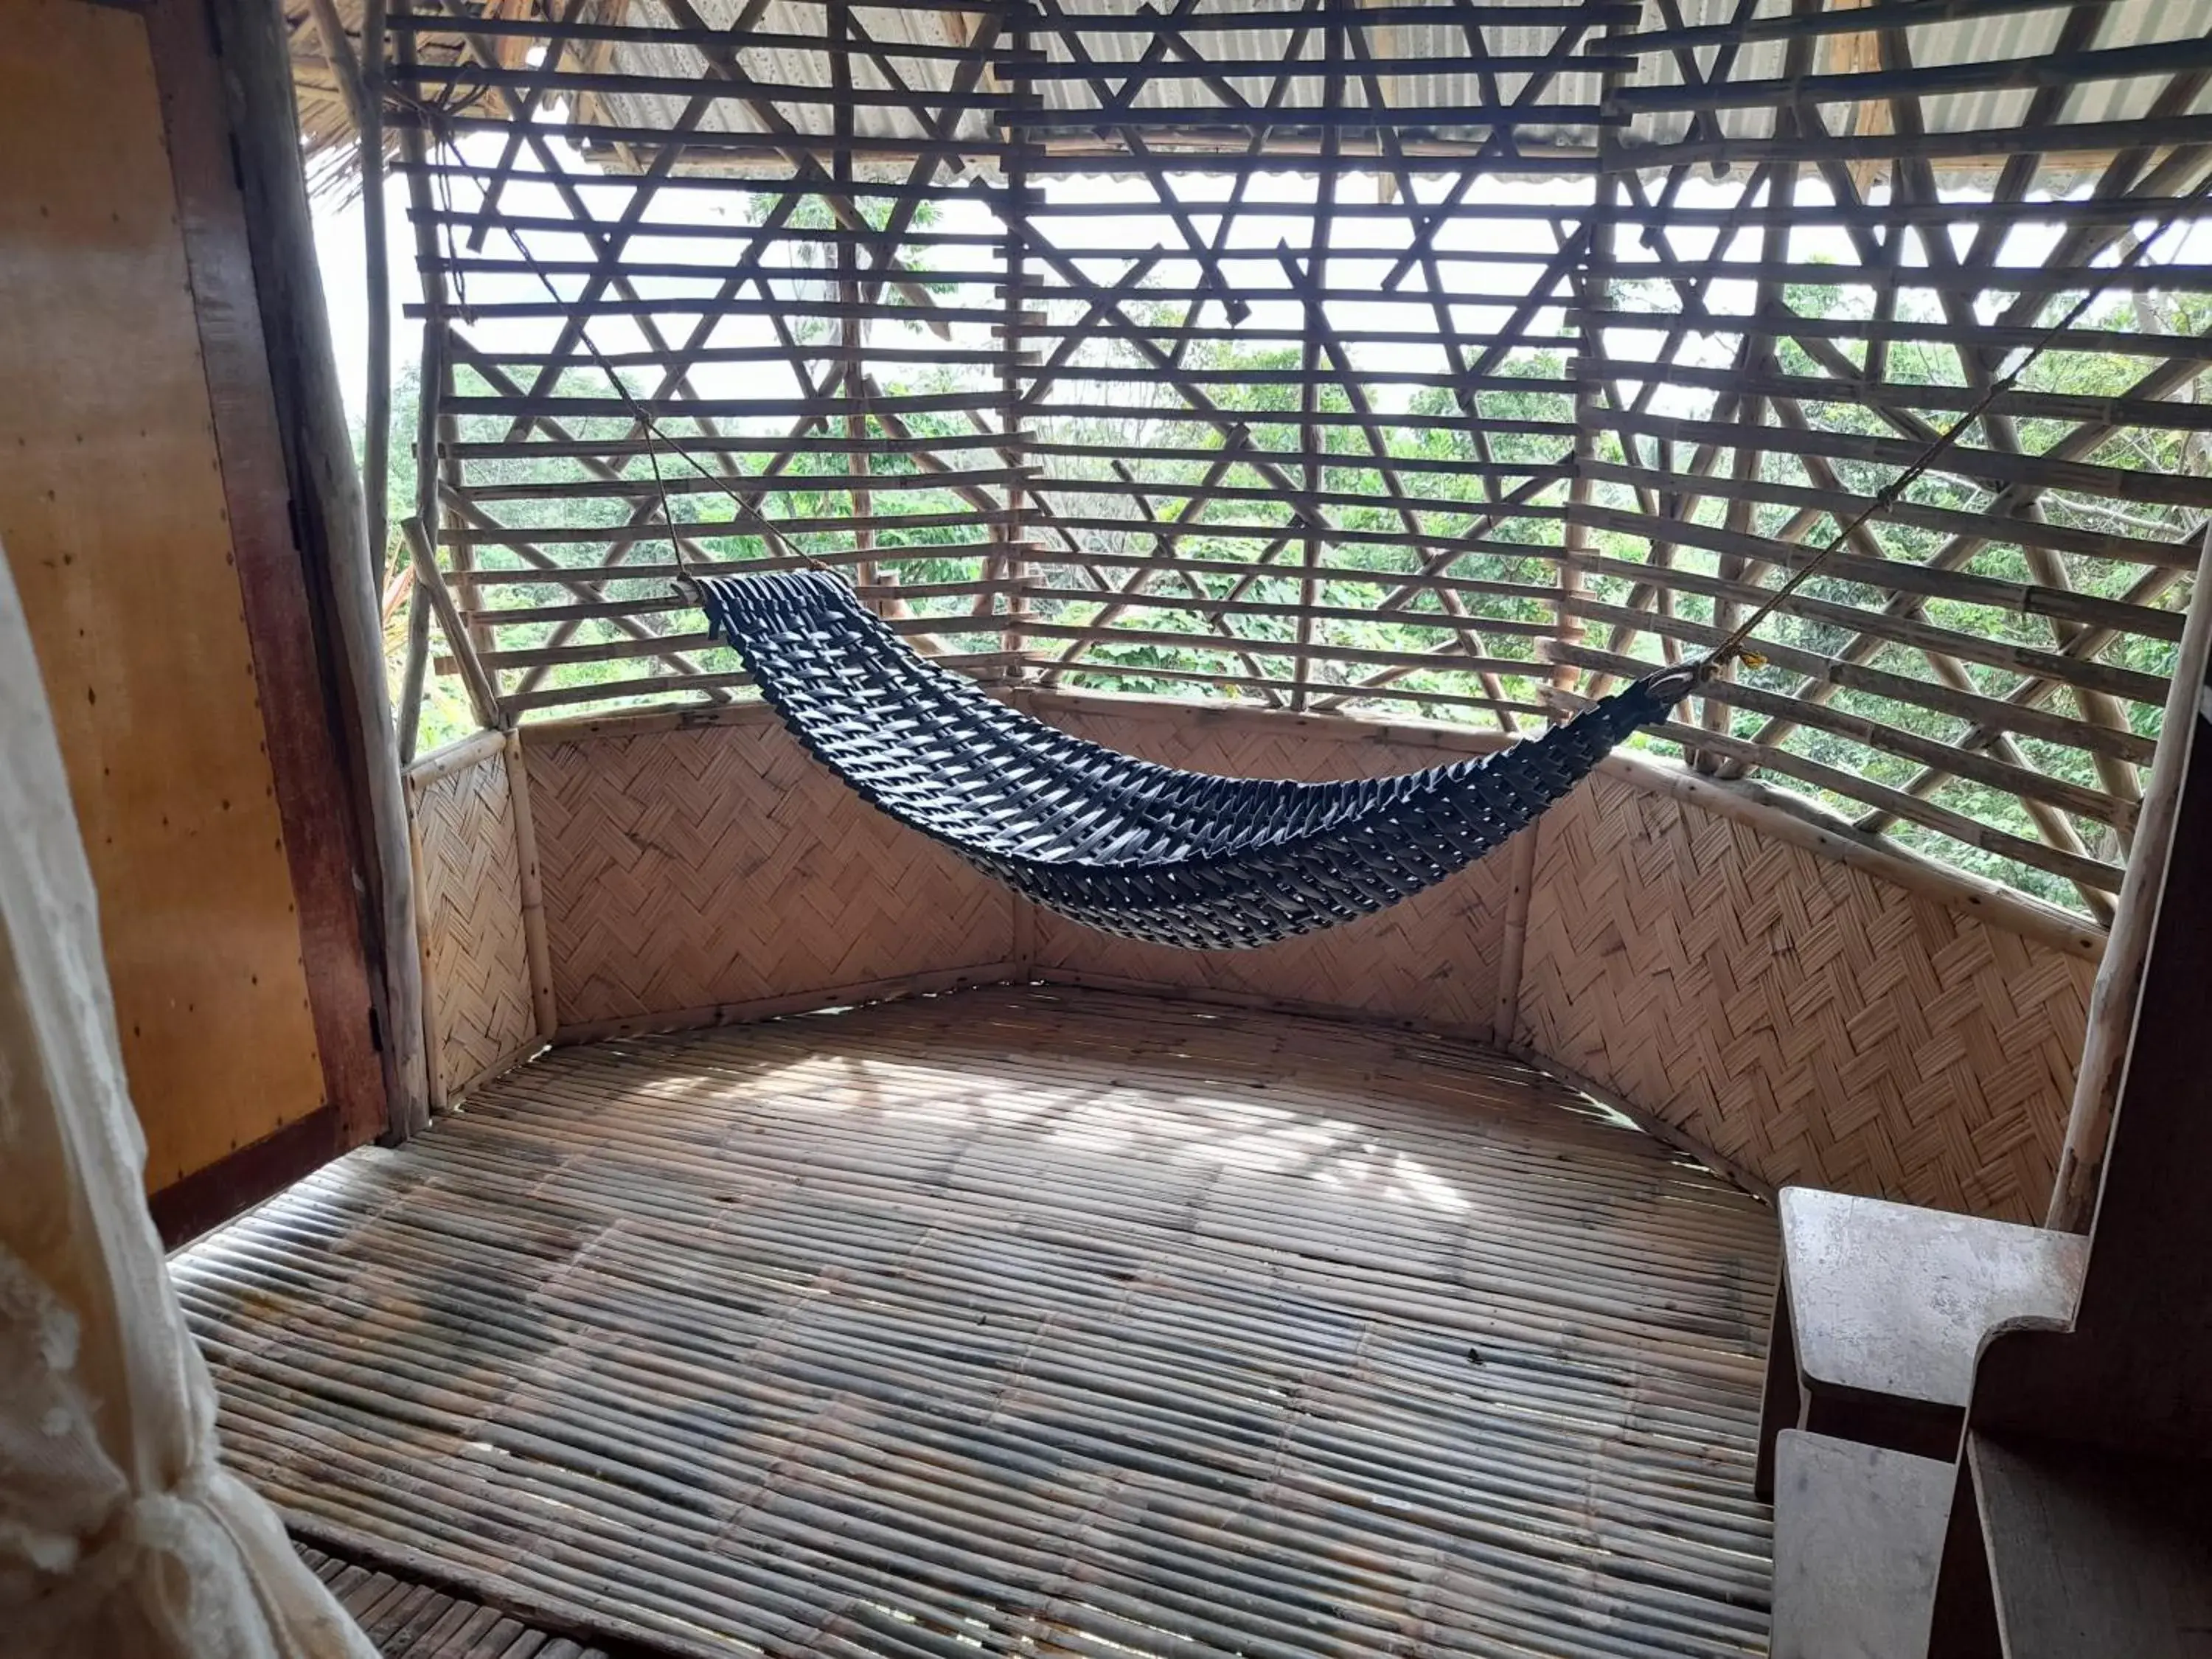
{"points": [[1453, 358]]}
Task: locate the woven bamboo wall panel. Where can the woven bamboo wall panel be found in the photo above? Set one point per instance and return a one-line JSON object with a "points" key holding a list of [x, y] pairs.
{"points": [[476, 960], [1431, 962], [1808, 1021], [693, 871]]}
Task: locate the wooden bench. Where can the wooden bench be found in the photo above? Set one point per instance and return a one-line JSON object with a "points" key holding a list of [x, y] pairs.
{"points": [[2080, 1525], [1880, 1310], [1858, 1532], [2056, 1550]]}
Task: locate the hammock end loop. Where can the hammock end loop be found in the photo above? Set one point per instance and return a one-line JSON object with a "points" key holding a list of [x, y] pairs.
{"points": [[1670, 685]]}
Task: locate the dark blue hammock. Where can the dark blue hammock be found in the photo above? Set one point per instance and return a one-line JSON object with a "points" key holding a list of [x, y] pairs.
{"points": [[1122, 844]]}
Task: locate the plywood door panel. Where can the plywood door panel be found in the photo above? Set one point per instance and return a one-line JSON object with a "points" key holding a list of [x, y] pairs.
{"points": [[113, 517], [276, 517]]}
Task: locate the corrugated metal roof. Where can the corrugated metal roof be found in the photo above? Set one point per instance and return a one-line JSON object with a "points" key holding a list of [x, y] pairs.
{"points": [[779, 67], [1998, 38], [1402, 49]]}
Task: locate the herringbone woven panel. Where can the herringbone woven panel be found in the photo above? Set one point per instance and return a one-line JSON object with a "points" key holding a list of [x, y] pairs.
{"points": [[475, 964], [1431, 961], [1805, 1019], [704, 869]]}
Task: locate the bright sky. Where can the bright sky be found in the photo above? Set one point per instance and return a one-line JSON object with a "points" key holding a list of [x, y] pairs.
{"points": [[1483, 291], [339, 246], [1488, 266]]}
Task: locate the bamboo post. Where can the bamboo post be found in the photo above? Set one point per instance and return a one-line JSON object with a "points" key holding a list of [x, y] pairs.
{"points": [[328, 510], [2119, 980], [430, 406], [851, 329], [1594, 292], [482, 692], [1013, 409], [1310, 433], [415, 667], [533, 892], [376, 435]]}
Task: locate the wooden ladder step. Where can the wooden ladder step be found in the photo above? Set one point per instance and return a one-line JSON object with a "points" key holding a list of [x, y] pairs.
{"points": [[1882, 1307], [1858, 1533]]}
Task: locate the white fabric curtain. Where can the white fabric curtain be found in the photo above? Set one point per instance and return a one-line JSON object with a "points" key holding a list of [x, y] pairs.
{"points": [[121, 1535]]}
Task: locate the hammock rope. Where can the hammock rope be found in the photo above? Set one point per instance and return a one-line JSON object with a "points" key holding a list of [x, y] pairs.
{"points": [[1736, 646], [1121, 844]]}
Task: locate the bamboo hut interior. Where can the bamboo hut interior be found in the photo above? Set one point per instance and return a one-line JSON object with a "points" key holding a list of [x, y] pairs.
{"points": [[636, 1198]]}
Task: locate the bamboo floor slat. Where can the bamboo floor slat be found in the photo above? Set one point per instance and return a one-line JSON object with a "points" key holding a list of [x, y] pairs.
{"points": [[407, 1620], [1025, 1321]]}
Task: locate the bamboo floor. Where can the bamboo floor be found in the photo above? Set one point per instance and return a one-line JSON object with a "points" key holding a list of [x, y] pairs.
{"points": [[1024, 1321], [407, 1620]]}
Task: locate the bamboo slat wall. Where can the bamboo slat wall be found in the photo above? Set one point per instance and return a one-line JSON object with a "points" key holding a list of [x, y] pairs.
{"points": [[481, 1006], [1809, 1005], [618, 345], [1451, 357]]}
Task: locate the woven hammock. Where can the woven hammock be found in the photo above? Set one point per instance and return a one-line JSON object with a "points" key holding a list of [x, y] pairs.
{"points": [[1122, 844]]}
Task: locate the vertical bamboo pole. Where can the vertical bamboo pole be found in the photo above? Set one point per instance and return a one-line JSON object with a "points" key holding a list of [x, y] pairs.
{"points": [[433, 1038], [430, 397], [852, 329], [534, 942], [376, 433], [2127, 949], [1737, 520], [359, 78], [1593, 284], [415, 665], [1310, 432], [856, 463], [1014, 360], [1014, 41]]}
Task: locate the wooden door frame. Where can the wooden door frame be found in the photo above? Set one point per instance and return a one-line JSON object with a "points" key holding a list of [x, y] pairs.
{"points": [[318, 757]]}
